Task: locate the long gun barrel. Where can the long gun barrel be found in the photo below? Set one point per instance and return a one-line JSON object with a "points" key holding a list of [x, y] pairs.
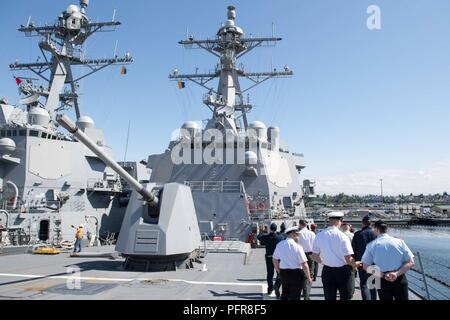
{"points": [[70, 126]]}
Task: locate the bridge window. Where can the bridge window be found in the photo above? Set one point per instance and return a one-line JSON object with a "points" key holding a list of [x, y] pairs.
{"points": [[34, 133]]}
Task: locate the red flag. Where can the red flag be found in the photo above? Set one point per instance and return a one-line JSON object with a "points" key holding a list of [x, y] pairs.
{"points": [[18, 80]]}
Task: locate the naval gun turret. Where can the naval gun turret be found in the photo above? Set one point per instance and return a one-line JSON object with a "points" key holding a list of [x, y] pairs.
{"points": [[160, 229]]}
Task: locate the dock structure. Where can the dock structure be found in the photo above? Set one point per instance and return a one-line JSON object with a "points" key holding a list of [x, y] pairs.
{"points": [[219, 276], [357, 222]]}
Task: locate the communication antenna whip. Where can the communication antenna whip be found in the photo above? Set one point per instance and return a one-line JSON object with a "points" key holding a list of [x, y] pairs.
{"points": [[126, 144]]}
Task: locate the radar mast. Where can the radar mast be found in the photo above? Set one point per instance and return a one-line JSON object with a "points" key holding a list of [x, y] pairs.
{"points": [[227, 103], [62, 47]]}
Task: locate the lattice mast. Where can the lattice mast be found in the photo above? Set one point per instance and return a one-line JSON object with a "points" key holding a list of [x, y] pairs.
{"points": [[227, 103], [62, 47]]}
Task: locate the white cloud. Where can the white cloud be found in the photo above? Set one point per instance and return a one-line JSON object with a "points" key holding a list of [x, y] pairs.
{"points": [[432, 179]]}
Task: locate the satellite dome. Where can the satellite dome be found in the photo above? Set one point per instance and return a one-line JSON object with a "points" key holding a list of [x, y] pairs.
{"points": [[257, 125], [190, 129], [229, 26], [7, 146], [229, 23], [257, 129], [39, 116], [191, 125], [72, 9], [251, 157], [85, 122]]}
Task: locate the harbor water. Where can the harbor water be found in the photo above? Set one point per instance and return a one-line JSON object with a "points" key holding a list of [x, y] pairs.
{"points": [[433, 244]]}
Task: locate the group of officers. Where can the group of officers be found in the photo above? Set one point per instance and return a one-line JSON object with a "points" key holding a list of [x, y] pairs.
{"points": [[380, 260]]}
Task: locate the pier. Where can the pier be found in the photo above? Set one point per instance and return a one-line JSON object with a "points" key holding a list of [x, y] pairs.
{"points": [[394, 223]]}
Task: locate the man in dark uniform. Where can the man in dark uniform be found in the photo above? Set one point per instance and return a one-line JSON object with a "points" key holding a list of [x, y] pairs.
{"points": [[282, 234], [270, 241], [316, 265], [359, 244], [282, 231]]}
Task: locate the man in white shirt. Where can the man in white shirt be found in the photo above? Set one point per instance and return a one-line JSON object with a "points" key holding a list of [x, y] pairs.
{"points": [[306, 240], [333, 249], [290, 262], [346, 229]]}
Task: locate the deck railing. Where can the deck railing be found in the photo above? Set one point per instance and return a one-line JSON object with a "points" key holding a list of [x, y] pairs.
{"points": [[216, 186], [426, 285]]}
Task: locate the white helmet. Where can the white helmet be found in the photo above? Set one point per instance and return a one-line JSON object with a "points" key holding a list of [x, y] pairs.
{"points": [[81, 226]]}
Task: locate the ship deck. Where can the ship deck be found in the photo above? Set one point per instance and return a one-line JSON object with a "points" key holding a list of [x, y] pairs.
{"points": [[226, 277]]}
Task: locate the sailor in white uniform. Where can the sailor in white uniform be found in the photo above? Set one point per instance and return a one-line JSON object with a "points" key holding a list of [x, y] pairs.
{"points": [[290, 262], [306, 240], [333, 249]]}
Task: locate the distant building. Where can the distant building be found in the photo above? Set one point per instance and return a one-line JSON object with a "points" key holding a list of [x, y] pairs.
{"points": [[410, 208], [443, 209], [426, 209], [317, 204]]}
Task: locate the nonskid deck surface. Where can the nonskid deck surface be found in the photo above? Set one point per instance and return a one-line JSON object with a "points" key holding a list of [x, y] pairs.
{"points": [[29, 276], [225, 276]]}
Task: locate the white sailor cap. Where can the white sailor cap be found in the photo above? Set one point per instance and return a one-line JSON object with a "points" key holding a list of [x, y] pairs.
{"points": [[335, 215], [292, 229]]}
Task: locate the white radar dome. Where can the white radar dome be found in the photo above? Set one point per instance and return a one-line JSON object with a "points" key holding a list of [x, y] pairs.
{"points": [[190, 125], [251, 157], [39, 116], [258, 129], [7, 146], [190, 129], [72, 9], [85, 122]]}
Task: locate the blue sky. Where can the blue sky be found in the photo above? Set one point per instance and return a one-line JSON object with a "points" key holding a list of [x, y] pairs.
{"points": [[363, 105]]}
